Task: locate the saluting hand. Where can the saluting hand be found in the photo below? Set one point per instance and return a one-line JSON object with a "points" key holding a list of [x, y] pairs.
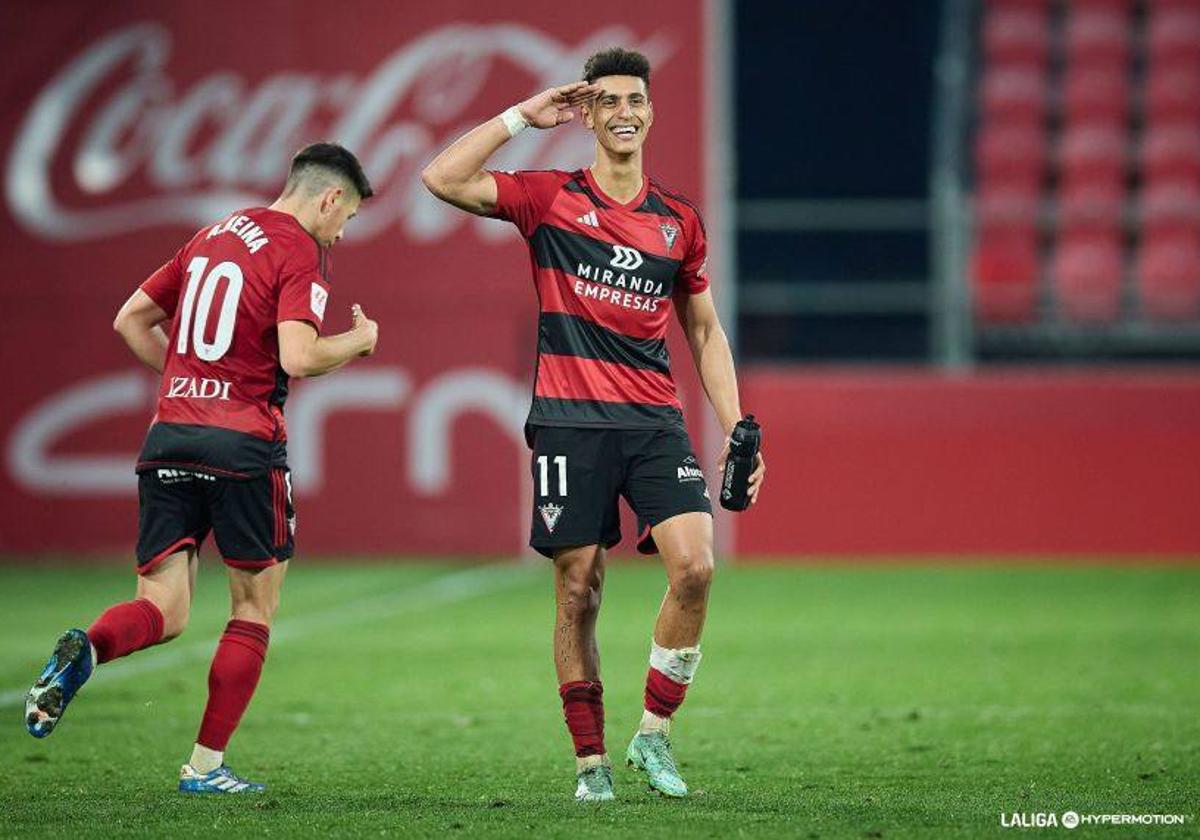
{"points": [[554, 106]]}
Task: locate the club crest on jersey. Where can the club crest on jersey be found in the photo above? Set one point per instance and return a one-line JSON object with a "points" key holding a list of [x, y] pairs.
{"points": [[669, 232], [550, 514]]}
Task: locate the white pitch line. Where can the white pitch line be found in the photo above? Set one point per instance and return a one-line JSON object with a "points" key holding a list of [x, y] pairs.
{"points": [[447, 589]]}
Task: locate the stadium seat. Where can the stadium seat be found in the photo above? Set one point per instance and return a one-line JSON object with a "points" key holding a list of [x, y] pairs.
{"points": [[1013, 95], [1094, 205], [1170, 153], [1015, 36], [1168, 277], [1005, 269], [1011, 153], [1097, 36], [1087, 277], [1169, 207], [1096, 95], [1007, 205], [1092, 151], [1173, 38], [1172, 95]]}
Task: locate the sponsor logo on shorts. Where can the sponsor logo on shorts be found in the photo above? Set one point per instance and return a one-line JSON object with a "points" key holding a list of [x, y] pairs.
{"points": [[550, 514], [688, 471], [169, 476]]}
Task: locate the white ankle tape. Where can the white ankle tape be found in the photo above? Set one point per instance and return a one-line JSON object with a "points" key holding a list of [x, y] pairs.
{"points": [[677, 664]]}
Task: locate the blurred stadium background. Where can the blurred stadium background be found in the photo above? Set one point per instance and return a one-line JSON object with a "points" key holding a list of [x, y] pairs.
{"points": [[957, 245]]}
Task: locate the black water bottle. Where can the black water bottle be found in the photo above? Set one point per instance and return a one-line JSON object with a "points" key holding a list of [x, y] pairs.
{"points": [[743, 453]]}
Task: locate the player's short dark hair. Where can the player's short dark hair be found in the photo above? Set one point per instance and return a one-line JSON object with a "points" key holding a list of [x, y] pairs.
{"points": [[333, 159], [617, 61]]}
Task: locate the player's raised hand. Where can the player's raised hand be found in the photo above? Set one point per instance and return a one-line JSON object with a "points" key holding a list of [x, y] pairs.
{"points": [[365, 327], [556, 105]]}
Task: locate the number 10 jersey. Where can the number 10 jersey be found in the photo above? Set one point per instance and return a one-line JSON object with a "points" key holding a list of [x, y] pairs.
{"points": [[220, 402]]}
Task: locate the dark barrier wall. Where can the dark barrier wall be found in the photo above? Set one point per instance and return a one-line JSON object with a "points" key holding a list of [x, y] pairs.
{"points": [[879, 462], [128, 126]]}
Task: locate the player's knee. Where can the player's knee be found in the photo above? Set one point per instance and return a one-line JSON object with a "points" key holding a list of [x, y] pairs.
{"points": [[692, 574], [581, 589]]}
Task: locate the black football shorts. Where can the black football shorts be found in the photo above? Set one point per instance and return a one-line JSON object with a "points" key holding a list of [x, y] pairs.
{"points": [[252, 520], [579, 474]]}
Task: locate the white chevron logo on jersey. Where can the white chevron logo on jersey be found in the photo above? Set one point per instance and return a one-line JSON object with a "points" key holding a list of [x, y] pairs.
{"points": [[625, 258], [589, 219]]}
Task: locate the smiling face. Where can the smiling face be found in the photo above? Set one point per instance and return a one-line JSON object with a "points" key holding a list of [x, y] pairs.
{"points": [[621, 114]]}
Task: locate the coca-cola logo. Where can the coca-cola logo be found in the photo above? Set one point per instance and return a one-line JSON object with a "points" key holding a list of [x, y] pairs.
{"points": [[149, 129]]}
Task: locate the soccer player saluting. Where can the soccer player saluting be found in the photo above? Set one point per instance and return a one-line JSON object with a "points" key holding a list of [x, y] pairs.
{"points": [[226, 321], [611, 251]]}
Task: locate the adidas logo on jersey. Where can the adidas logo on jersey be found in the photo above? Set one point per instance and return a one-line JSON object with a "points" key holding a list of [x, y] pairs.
{"points": [[589, 219]]}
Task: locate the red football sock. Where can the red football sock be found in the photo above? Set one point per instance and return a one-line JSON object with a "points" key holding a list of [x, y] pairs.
{"points": [[663, 694], [124, 628], [583, 707], [231, 680]]}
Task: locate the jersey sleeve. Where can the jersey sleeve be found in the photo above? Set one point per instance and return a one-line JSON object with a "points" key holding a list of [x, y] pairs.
{"points": [[693, 273], [164, 284], [524, 197], [303, 291]]}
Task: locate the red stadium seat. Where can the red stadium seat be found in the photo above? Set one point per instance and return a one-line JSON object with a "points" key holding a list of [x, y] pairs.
{"points": [[1092, 151], [1013, 95], [1169, 208], [1097, 36], [1007, 205], [1087, 278], [1011, 153], [1091, 204], [1173, 38], [1168, 278], [1015, 36], [1092, 95], [1170, 153], [1173, 95], [1005, 269]]}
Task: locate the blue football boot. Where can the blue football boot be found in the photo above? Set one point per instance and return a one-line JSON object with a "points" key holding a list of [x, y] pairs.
{"points": [[68, 669], [221, 780]]}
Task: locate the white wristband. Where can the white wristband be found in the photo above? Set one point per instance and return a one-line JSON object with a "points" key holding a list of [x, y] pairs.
{"points": [[514, 121]]}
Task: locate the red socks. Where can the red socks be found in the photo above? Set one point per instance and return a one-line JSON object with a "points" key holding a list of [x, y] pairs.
{"points": [[583, 707], [124, 628], [231, 680], [663, 695]]}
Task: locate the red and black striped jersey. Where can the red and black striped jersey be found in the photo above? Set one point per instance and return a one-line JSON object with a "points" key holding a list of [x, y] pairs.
{"points": [[606, 274], [220, 402]]}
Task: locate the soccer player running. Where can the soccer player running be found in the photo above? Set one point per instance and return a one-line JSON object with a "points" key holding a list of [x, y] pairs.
{"points": [[226, 321], [611, 251]]}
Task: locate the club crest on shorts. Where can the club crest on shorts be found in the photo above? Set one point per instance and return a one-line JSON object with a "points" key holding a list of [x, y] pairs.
{"points": [[550, 514], [669, 232]]}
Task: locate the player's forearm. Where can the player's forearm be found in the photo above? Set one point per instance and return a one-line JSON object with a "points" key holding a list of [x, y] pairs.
{"points": [[457, 174], [328, 353], [148, 343], [714, 363]]}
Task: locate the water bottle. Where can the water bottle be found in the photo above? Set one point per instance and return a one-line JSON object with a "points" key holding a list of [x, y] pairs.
{"points": [[743, 454]]}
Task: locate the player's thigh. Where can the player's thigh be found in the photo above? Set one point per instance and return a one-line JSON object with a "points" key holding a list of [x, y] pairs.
{"points": [[576, 485], [254, 520], [173, 515], [254, 593], [663, 479]]}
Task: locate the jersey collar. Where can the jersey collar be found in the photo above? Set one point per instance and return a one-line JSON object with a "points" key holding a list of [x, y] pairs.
{"points": [[632, 204]]}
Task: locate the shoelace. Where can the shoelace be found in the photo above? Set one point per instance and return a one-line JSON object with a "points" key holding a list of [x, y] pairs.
{"points": [[660, 750]]}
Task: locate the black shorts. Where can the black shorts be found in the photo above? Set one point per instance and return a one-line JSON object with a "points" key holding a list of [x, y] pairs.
{"points": [[578, 475], [252, 519]]}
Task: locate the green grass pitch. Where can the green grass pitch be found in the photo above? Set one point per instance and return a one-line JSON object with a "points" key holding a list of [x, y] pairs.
{"points": [[833, 701]]}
